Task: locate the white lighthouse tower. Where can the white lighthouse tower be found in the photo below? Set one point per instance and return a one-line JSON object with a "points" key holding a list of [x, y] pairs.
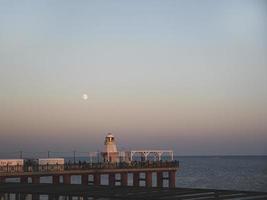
{"points": [[110, 153]]}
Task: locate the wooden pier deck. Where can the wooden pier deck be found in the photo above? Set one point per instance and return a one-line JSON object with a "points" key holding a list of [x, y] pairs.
{"points": [[81, 192]]}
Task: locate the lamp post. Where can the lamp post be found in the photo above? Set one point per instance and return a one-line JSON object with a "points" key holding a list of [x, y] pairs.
{"points": [[74, 156]]}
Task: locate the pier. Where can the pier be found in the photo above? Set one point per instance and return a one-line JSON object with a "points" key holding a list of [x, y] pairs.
{"points": [[117, 165], [91, 173]]}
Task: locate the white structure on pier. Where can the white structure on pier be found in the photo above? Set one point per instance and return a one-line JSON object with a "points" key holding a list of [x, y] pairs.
{"points": [[110, 153], [146, 153]]}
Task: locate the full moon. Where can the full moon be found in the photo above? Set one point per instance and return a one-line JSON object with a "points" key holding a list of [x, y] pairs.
{"points": [[85, 96]]}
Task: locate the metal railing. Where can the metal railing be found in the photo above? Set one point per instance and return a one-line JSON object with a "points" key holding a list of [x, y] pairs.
{"points": [[123, 165], [89, 166]]}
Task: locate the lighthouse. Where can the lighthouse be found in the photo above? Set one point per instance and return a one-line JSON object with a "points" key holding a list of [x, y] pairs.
{"points": [[110, 153]]}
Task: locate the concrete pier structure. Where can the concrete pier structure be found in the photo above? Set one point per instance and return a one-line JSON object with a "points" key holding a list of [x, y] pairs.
{"points": [[35, 179], [172, 175], [148, 179], [23, 179], [124, 179], [2, 180], [141, 172], [97, 179], [85, 179], [55, 179], [117, 165], [111, 179], [159, 179], [136, 178], [66, 178]]}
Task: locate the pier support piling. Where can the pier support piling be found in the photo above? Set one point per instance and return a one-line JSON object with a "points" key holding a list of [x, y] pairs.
{"points": [[23, 196], [172, 179], [35, 196], [148, 179], [17, 196], [24, 179], [66, 179], [111, 179], [136, 179], [96, 179], [85, 179], [55, 179], [124, 179], [35, 179], [2, 180], [159, 179]]}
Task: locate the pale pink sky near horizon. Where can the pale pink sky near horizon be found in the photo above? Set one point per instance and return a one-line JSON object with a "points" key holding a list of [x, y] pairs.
{"points": [[179, 75]]}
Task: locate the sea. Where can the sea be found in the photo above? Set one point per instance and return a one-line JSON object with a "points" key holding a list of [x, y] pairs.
{"points": [[247, 173]]}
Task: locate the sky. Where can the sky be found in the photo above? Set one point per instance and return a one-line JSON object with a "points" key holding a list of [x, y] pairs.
{"points": [[184, 75]]}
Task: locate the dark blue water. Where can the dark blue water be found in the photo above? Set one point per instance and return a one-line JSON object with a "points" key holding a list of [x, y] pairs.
{"points": [[223, 172]]}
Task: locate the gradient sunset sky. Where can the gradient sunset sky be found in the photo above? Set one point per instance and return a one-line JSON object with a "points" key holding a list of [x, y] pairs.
{"points": [[184, 75]]}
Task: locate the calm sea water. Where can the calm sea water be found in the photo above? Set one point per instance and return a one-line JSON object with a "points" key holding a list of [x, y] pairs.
{"points": [[216, 172], [223, 172]]}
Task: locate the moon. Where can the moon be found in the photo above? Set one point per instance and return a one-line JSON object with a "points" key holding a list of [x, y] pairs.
{"points": [[85, 96]]}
